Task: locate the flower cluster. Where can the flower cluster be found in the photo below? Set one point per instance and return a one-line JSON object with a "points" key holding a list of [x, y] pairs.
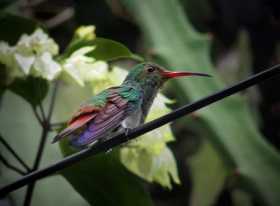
{"points": [[36, 54], [33, 54]]}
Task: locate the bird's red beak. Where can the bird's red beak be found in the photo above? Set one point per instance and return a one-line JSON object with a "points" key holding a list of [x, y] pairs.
{"points": [[170, 74]]}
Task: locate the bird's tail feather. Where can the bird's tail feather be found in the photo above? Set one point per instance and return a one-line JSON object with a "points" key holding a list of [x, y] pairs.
{"points": [[74, 126]]}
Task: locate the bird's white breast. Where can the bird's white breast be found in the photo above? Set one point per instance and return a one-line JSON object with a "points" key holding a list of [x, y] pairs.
{"points": [[133, 120]]}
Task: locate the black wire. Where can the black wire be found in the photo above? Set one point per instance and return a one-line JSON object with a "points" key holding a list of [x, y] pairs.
{"points": [[122, 138]]}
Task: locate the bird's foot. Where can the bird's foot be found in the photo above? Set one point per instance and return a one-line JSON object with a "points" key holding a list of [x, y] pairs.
{"points": [[127, 131], [108, 151]]}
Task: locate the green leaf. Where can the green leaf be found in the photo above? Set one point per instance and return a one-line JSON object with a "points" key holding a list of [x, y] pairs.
{"points": [[173, 39], [208, 174], [12, 27], [105, 49], [32, 89], [103, 180], [108, 50], [240, 197]]}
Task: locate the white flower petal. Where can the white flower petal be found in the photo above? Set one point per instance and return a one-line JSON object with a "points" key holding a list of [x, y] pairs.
{"points": [[95, 71], [36, 43], [73, 72], [24, 62], [82, 68], [46, 66], [82, 52]]}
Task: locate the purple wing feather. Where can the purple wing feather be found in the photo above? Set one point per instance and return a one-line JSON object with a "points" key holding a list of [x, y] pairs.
{"points": [[74, 125], [106, 120], [95, 131]]}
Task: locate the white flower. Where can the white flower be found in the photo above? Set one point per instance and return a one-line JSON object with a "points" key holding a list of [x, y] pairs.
{"points": [[32, 53], [46, 66], [96, 71], [24, 62], [84, 69], [38, 43]]}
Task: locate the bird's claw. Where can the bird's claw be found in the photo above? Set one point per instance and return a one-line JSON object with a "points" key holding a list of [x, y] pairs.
{"points": [[108, 151], [127, 131]]}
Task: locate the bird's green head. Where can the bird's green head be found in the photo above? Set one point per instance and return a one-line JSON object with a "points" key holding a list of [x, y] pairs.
{"points": [[153, 75]]}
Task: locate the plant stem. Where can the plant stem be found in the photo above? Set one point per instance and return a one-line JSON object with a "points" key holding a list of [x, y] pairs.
{"points": [[39, 119], [39, 155], [122, 138], [45, 130], [13, 152], [51, 108], [42, 111], [10, 166]]}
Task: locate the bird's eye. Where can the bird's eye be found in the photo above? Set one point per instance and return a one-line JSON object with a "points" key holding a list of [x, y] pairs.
{"points": [[151, 69]]}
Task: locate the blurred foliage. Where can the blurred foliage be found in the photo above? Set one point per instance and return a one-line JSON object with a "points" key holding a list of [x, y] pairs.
{"points": [[173, 40], [11, 34], [209, 175], [32, 89]]}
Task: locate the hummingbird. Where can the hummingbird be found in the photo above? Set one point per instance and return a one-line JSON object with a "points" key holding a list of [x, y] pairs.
{"points": [[118, 108]]}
